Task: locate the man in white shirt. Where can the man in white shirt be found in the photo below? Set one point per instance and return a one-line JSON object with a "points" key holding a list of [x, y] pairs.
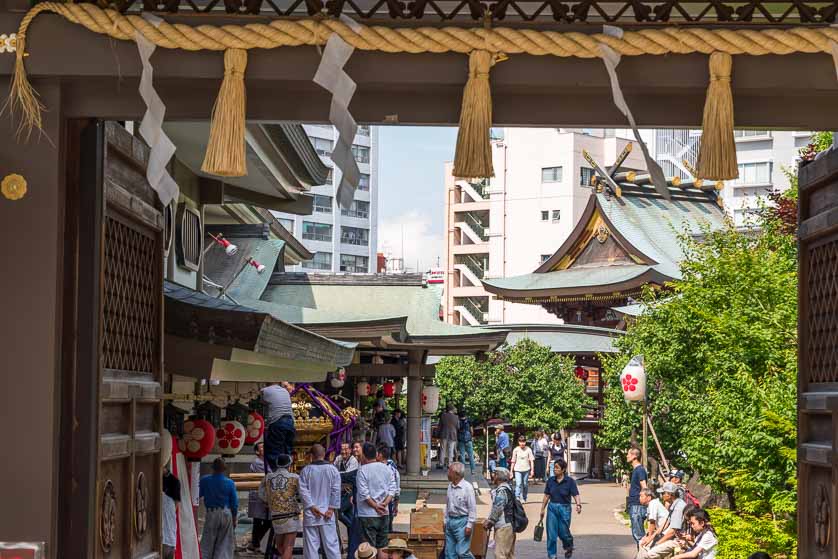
{"points": [[320, 494], [674, 523], [376, 488], [523, 465], [279, 432], [656, 514], [346, 462], [460, 514]]}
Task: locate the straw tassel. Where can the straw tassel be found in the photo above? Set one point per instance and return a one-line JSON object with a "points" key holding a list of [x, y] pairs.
{"points": [[473, 156], [22, 96], [226, 147], [717, 156]]}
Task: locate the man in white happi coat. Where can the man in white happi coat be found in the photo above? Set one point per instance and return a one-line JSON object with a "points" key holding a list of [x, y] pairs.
{"points": [[320, 494]]}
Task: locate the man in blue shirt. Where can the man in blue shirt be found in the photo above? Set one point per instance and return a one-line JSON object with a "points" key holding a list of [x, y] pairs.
{"points": [[637, 512], [502, 446], [222, 504], [558, 493]]}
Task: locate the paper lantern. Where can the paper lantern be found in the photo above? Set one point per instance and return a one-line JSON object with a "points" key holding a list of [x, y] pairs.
{"points": [[165, 447], [338, 378], [430, 399], [633, 380], [363, 389], [389, 388], [255, 427], [581, 373], [373, 389], [198, 439], [229, 438]]}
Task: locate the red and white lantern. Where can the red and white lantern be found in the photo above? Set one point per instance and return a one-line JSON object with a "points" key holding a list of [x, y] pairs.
{"points": [[633, 380], [430, 399], [229, 438], [389, 389], [363, 389], [255, 427], [198, 439]]}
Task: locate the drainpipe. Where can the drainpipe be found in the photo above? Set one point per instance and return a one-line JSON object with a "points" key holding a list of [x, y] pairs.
{"points": [[505, 193]]}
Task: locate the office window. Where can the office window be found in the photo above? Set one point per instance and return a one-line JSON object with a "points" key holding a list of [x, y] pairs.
{"points": [[355, 236], [551, 174], [288, 224], [322, 204], [322, 146], [355, 264], [361, 153], [545, 258], [751, 133], [358, 208], [557, 215], [363, 130], [321, 261], [754, 173], [317, 231], [545, 215], [585, 176], [364, 182]]}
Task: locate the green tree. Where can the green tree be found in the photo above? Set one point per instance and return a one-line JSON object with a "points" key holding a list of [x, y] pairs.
{"points": [[720, 351], [526, 384]]}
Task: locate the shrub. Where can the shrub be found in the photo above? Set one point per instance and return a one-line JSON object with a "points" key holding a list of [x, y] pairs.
{"points": [[740, 535]]}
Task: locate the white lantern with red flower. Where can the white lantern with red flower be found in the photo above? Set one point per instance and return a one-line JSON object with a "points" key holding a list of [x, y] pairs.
{"points": [[229, 438], [255, 427], [633, 380], [362, 389], [430, 399]]}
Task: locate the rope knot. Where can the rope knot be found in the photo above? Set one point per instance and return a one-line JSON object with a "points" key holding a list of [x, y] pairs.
{"points": [[480, 62]]}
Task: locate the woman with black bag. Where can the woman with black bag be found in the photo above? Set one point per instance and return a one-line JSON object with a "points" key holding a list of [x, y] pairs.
{"points": [[558, 493]]}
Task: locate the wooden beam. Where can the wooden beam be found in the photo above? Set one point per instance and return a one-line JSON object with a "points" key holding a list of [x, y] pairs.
{"points": [[397, 370]]}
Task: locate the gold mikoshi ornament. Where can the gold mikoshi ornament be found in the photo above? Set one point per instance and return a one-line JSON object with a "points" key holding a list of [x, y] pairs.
{"points": [[13, 186]]}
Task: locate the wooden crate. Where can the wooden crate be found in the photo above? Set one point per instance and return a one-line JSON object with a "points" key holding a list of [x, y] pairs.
{"points": [[479, 539], [427, 523], [423, 548]]}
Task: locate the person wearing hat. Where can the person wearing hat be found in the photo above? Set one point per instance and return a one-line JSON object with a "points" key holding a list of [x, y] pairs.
{"points": [[664, 544], [366, 551], [281, 491], [502, 496], [222, 506], [677, 477], [397, 549], [320, 494]]}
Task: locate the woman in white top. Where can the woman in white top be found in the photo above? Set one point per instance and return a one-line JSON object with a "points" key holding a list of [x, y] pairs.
{"points": [[705, 537], [523, 464]]}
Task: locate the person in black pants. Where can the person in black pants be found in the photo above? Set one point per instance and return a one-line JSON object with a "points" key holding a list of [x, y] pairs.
{"points": [[280, 432], [256, 508]]}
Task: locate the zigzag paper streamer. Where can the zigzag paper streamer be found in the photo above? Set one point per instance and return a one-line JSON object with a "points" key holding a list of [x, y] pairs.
{"points": [[331, 76], [151, 127]]}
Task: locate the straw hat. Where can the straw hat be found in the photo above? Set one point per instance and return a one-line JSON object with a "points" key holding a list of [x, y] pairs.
{"points": [[365, 551], [398, 544]]}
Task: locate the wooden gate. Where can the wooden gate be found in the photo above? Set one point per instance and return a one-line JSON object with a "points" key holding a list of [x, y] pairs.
{"points": [[115, 506], [818, 358]]}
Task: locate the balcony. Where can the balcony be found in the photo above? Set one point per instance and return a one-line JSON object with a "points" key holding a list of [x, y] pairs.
{"points": [[354, 241], [317, 237], [361, 214], [473, 268], [472, 309], [471, 227]]}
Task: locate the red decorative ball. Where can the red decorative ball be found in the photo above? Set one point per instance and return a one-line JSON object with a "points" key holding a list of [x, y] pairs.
{"points": [[198, 439]]}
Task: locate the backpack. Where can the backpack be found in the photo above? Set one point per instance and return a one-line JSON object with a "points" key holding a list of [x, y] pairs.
{"points": [[515, 514]]}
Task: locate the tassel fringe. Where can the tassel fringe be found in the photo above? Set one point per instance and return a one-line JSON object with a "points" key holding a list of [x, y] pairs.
{"points": [[717, 157], [226, 146], [473, 156]]}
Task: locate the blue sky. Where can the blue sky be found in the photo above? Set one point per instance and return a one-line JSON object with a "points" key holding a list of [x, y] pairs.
{"points": [[412, 191]]}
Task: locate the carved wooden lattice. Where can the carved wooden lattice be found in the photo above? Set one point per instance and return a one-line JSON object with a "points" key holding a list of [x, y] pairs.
{"points": [[823, 312], [130, 310]]}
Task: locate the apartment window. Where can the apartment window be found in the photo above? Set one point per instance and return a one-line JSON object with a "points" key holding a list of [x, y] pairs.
{"points": [[358, 208], [545, 258], [754, 173], [317, 231], [355, 264], [361, 153], [585, 176], [364, 131], [556, 215], [321, 261], [322, 204], [551, 174], [288, 224], [751, 133], [322, 146], [355, 236], [545, 215], [364, 182]]}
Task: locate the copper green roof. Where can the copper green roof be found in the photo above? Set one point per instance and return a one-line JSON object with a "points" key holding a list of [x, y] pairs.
{"points": [[565, 338]]}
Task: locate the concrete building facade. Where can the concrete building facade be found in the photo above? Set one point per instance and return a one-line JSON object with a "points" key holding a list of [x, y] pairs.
{"points": [[762, 155], [342, 240], [510, 224]]}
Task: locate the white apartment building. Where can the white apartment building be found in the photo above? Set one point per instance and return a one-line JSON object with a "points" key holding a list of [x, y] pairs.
{"points": [[510, 224], [341, 240], [762, 156]]}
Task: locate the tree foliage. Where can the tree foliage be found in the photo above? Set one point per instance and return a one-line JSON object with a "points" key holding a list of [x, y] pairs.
{"points": [[721, 352], [525, 384]]}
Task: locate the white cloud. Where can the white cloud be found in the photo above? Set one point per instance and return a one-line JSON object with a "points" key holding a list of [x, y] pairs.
{"points": [[422, 239]]}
